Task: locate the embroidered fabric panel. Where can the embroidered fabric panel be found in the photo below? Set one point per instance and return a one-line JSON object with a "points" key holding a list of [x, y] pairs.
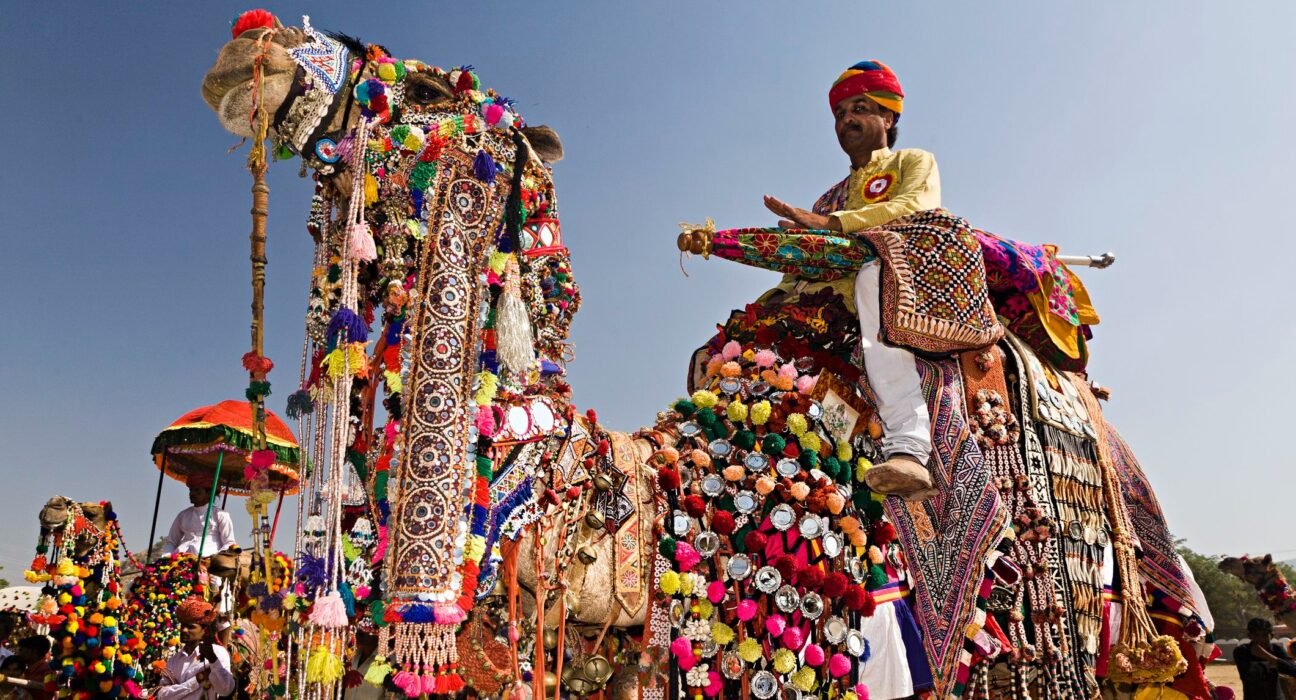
{"points": [[809, 254], [439, 435]]}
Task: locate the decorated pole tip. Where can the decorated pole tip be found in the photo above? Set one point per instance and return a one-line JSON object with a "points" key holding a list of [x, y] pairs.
{"points": [[254, 19]]}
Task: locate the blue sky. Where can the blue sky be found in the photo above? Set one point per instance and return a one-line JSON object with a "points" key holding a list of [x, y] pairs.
{"points": [[1159, 130]]}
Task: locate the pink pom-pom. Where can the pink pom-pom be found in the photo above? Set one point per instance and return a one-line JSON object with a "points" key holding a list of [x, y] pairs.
{"points": [[775, 624], [132, 689], [360, 243], [788, 371], [429, 684], [686, 556], [746, 609], [361, 592], [814, 654], [838, 666], [681, 647], [731, 350], [262, 459], [714, 685], [716, 592], [792, 638], [806, 384], [493, 113], [861, 691], [408, 683], [686, 663], [486, 421], [765, 358]]}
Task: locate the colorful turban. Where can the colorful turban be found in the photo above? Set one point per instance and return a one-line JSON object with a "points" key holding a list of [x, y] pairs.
{"points": [[201, 479], [872, 79], [195, 609]]}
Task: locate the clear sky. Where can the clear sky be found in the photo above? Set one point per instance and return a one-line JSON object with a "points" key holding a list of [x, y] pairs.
{"points": [[1161, 130]]}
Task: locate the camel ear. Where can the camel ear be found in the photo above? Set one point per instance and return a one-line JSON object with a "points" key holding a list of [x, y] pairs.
{"points": [[1268, 559], [544, 142]]}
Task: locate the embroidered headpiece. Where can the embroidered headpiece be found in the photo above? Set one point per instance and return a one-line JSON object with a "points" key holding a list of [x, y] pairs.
{"points": [[323, 65], [872, 79]]}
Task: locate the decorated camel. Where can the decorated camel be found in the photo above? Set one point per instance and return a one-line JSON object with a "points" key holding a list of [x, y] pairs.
{"points": [[732, 549], [1269, 583]]}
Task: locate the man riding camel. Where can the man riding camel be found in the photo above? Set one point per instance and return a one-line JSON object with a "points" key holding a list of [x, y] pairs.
{"points": [[883, 185], [186, 534]]}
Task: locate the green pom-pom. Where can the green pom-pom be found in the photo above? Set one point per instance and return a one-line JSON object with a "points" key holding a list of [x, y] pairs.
{"points": [[706, 417], [773, 445], [809, 460], [877, 577], [257, 390], [873, 509], [685, 408], [667, 547], [376, 613], [861, 497], [744, 439]]}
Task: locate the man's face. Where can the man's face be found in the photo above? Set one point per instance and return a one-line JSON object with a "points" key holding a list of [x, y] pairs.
{"points": [[1260, 637], [199, 496], [192, 632], [861, 125]]}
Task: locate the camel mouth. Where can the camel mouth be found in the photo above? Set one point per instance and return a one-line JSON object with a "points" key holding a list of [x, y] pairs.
{"points": [[228, 85]]}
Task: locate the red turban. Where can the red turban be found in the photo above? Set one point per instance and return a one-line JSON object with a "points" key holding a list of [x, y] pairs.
{"points": [[195, 609], [872, 79]]}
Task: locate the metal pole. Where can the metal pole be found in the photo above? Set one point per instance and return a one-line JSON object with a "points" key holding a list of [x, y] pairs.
{"points": [[157, 503]]}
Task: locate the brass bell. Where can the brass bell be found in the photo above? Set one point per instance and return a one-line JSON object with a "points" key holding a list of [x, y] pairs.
{"points": [[602, 482], [500, 588], [551, 682], [586, 555], [593, 520], [598, 669], [550, 639], [685, 241]]}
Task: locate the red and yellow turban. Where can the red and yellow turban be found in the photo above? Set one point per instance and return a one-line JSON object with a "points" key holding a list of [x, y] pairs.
{"points": [[872, 79]]}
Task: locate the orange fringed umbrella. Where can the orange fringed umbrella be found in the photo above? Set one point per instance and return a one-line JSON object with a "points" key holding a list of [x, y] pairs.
{"points": [[223, 432]]}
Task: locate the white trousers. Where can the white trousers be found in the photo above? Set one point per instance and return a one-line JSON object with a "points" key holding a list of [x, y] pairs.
{"points": [[892, 374]]}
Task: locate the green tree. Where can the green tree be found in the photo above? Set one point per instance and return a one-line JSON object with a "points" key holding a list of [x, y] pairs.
{"points": [[1232, 601], [4, 582]]}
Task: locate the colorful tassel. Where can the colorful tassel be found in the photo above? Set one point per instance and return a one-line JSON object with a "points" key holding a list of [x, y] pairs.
{"points": [[324, 666], [409, 683], [484, 167], [514, 341], [329, 611], [360, 243], [378, 671], [346, 326]]}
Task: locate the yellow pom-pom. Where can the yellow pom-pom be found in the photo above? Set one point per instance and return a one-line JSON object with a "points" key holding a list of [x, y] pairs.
{"points": [[65, 567], [126, 659], [704, 609], [393, 382], [387, 72], [737, 411], [705, 399], [844, 451], [784, 660], [686, 585], [497, 261], [721, 633], [487, 385], [109, 621], [811, 442], [750, 650], [796, 424], [669, 583], [804, 679], [109, 652], [760, 413], [862, 467]]}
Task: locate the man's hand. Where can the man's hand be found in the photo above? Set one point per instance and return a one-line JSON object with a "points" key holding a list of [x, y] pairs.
{"points": [[1262, 653], [794, 217], [167, 677]]}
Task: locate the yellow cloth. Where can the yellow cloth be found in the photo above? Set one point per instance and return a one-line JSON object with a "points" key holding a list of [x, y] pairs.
{"points": [[914, 186], [1064, 335]]}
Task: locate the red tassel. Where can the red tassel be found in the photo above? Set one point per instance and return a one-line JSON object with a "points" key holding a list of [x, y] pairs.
{"points": [[592, 416], [253, 19]]}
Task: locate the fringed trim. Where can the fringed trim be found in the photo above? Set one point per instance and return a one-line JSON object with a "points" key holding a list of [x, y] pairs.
{"points": [[428, 657]]}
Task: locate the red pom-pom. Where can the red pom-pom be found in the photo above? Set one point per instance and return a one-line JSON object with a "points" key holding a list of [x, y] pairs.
{"points": [[853, 597], [884, 534], [254, 19], [791, 451], [465, 84], [812, 577], [835, 584], [668, 479], [722, 522], [786, 566], [754, 542], [604, 448], [590, 414], [694, 505]]}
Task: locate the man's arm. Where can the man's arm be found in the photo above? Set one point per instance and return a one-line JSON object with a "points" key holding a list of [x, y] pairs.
{"points": [[172, 541], [918, 190], [222, 680], [224, 531]]}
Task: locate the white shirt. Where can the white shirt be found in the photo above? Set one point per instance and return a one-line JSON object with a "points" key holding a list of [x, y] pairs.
{"points": [[184, 667], [188, 527]]}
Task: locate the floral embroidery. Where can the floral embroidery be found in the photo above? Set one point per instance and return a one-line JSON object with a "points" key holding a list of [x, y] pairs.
{"points": [[878, 188]]}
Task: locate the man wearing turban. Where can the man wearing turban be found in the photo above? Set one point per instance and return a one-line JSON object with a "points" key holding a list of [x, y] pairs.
{"points": [[883, 185], [199, 668], [186, 534]]}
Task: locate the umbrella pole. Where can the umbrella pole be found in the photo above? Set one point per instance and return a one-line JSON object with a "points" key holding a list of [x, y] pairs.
{"points": [[157, 503], [211, 502], [275, 527]]}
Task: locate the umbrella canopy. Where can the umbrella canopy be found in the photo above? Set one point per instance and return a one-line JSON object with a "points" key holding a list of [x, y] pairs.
{"points": [[19, 599], [196, 440]]}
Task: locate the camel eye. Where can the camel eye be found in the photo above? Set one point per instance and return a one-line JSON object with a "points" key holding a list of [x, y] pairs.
{"points": [[424, 93]]}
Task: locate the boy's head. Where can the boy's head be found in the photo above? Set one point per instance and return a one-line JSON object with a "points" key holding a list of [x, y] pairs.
{"points": [[1260, 630]]}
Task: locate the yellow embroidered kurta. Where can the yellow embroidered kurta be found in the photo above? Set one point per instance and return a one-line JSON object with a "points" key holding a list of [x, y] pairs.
{"points": [[892, 185]]}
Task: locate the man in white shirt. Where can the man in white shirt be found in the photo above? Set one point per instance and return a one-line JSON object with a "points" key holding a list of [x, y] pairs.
{"points": [[199, 668], [187, 529]]}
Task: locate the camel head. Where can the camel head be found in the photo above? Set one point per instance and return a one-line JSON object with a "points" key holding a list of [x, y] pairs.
{"points": [[1254, 571], [54, 515], [61, 515]]}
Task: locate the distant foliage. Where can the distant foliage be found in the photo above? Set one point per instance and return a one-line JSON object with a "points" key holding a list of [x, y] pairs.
{"points": [[1232, 601]]}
